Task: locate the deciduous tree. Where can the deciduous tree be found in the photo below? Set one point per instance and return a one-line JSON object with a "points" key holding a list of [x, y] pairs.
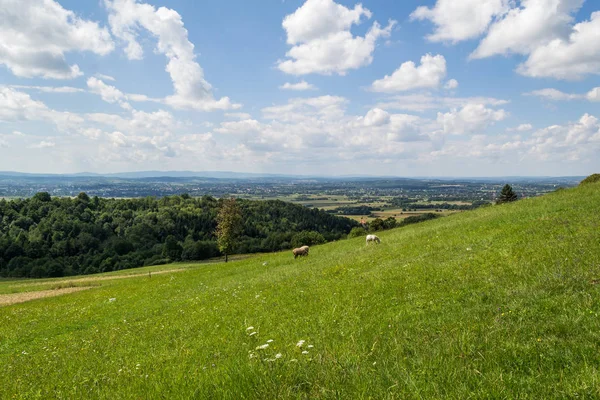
{"points": [[229, 226]]}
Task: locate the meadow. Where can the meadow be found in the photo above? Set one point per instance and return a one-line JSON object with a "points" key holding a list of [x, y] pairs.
{"points": [[499, 302]]}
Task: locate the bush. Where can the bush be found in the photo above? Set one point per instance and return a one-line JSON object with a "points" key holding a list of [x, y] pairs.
{"points": [[591, 179], [307, 238], [357, 231]]}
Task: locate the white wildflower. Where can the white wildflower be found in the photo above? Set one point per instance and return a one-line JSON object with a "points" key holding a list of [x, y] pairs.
{"points": [[262, 347], [293, 360], [250, 328], [278, 355], [300, 343], [310, 346], [270, 341], [253, 333], [265, 264], [305, 352], [112, 299]]}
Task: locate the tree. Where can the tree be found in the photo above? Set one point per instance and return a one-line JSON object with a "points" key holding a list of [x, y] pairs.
{"points": [[506, 195], [229, 226]]}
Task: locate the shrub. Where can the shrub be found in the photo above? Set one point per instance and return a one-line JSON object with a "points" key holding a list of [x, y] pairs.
{"points": [[591, 179], [357, 231]]}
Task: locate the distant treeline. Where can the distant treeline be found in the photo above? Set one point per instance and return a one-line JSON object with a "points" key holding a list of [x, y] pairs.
{"points": [[45, 237], [354, 210], [407, 204]]}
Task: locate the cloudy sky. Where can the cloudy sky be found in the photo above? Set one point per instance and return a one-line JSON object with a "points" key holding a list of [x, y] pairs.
{"points": [[405, 88]]}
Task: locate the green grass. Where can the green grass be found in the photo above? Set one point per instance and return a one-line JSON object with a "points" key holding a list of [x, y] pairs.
{"points": [[500, 302]]}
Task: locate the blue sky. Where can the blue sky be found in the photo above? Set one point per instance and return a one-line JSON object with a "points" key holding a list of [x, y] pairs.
{"points": [[407, 88]]}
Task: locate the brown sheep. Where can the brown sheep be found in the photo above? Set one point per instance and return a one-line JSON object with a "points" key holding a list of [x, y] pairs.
{"points": [[301, 251]]}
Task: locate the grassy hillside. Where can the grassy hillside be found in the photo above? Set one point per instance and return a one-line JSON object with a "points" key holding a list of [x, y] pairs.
{"points": [[501, 302]]}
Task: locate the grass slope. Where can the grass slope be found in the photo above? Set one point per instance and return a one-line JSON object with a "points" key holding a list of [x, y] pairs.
{"points": [[500, 302]]}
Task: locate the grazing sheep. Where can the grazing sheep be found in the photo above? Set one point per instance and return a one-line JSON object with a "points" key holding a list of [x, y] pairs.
{"points": [[301, 251], [373, 238]]}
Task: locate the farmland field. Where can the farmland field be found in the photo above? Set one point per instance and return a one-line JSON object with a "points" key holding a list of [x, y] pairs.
{"points": [[500, 302]]}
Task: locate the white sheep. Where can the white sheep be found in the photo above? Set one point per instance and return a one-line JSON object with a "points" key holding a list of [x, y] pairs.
{"points": [[373, 238]]}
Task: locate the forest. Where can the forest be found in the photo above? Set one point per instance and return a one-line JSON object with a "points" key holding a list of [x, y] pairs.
{"points": [[46, 236]]}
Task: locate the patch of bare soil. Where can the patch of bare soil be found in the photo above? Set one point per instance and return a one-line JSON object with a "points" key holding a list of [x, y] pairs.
{"points": [[13, 298], [97, 278]]}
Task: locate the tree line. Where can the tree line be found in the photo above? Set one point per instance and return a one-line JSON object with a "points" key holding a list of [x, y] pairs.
{"points": [[46, 236]]}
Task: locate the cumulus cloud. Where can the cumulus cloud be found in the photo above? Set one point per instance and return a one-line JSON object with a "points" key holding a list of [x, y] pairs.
{"points": [[456, 21], [575, 141], [524, 28], [36, 35], [451, 84], [423, 102], [524, 128], [192, 91], [110, 94], [376, 117], [594, 94], [571, 58], [409, 76], [557, 95], [300, 86], [472, 118], [321, 40]]}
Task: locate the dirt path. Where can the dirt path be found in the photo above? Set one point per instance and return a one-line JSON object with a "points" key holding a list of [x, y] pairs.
{"points": [[97, 278], [13, 298]]}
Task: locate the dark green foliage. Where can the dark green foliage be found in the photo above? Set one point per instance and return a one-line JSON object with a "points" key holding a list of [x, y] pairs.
{"points": [[507, 195], [418, 218], [357, 231], [356, 210], [591, 179], [376, 225], [229, 226], [307, 238], [44, 236]]}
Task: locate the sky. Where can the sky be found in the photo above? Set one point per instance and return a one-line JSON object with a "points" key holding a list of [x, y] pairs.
{"points": [[315, 87]]}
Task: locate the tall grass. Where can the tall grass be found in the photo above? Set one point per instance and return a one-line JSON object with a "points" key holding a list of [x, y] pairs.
{"points": [[501, 302]]}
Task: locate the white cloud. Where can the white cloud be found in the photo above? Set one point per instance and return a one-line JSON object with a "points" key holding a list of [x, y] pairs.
{"points": [[104, 77], [18, 106], [44, 144], [472, 118], [524, 128], [451, 84], [570, 58], [460, 20], [594, 94], [553, 94], [319, 32], [427, 75], [423, 102], [524, 28], [192, 91], [238, 115], [377, 117], [49, 89], [300, 86], [110, 94], [36, 35]]}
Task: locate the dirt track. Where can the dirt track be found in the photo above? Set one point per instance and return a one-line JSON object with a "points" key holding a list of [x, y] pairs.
{"points": [[13, 298]]}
